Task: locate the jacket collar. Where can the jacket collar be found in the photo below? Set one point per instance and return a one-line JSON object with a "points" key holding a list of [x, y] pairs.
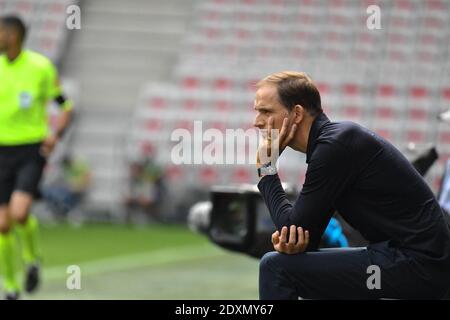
{"points": [[314, 132]]}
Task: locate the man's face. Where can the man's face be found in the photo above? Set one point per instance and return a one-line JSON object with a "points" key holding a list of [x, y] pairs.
{"points": [[267, 105], [3, 38]]}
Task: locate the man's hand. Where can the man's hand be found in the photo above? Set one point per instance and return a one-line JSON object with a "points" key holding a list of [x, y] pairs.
{"points": [[298, 241], [48, 145], [281, 140]]}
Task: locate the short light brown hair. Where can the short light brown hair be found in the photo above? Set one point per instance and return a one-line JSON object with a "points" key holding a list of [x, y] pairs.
{"points": [[295, 88]]}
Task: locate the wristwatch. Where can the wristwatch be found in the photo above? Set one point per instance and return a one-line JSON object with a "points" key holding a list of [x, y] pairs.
{"points": [[267, 170]]}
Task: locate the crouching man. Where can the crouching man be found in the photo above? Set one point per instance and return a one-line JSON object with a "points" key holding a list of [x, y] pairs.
{"points": [[368, 181]]}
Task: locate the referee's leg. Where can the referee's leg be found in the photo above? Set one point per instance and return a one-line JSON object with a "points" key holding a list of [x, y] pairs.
{"points": [[342, 274], [8, 243], [27, 182], [8, 250]]}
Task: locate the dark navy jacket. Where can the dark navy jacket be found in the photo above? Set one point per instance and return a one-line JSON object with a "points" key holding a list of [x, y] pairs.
{"points": [[372, 186]]}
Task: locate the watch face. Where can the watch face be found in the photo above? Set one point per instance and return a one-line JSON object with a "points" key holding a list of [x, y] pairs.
{"points": [[268, 170], [272, 170]]}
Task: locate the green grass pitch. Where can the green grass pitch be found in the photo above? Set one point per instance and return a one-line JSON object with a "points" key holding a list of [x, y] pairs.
{"points": [[152, 262]]}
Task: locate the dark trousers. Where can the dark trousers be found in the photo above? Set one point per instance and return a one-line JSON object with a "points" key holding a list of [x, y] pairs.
{"points": [[344, 273]]}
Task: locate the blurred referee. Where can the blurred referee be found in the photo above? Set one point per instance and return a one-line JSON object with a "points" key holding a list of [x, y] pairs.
{"points": [[28, 81]]}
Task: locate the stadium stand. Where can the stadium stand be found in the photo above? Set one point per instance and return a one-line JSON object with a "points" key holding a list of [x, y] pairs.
{"points": [[390, 80], [121, 46]]}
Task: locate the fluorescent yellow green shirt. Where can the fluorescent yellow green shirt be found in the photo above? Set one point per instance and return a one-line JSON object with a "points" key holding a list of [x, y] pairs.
{"points": [[26, 86]]}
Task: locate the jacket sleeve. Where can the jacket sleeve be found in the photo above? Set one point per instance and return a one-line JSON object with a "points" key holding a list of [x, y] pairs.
{"points": [[327, 177]]}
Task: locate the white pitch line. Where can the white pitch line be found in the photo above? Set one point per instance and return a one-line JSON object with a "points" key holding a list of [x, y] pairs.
{"points": [[146, 259]]}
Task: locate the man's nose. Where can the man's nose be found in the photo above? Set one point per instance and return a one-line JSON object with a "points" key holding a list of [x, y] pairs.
{"points": [[258, 123]]}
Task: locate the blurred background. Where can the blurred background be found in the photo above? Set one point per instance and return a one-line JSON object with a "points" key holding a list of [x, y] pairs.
{"points": [[112, 200]]}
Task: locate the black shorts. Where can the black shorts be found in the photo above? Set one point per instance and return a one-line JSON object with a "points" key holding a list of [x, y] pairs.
{"points": [[21, 169]]}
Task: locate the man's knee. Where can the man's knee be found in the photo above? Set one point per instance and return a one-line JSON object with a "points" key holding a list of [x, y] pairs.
{"points": [[20, 205], [275, 280], [270, 262], [284, 265], [269, 274]]}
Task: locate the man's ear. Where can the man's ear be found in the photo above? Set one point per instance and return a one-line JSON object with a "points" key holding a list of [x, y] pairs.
{"points": [[299, 113]]}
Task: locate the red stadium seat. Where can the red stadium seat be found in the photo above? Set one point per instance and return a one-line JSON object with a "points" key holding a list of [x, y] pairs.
{"points": [[417, 114], [444, 137], [386, 90], [154, 125], [223, 105], [212, 33], [241, 175], [51, 26], [158, 102], [434, 23], [385, 112], [278, 2], [251, 84], [351, 89], [340, 21], [446, 94], [191, 104], [212, 15], [385, 133], [174, 172], [324, 88], [352, 112], [436, 5], [404, 5], [222, 84], [242, 33], [23, 7], [184, 124], [416, 136], [208, 175], [418, 92], [199, 48], [57, 8], [275, 17], [190, 83]]}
